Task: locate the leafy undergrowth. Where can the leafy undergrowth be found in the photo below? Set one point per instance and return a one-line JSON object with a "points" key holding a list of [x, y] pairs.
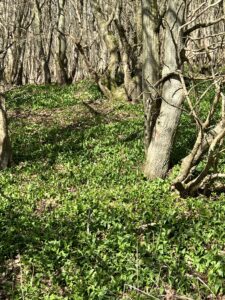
{"points": [[79, 220]]}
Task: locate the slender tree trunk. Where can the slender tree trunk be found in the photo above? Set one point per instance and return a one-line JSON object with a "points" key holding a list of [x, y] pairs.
{"points": [[5, 146], [38, 22], [130, 83], [151, 65], [110, 40], [62, 44], [17, 72]]}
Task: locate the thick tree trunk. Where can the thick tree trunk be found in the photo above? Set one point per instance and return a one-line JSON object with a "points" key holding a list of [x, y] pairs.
{"points": [[161, 131], [159, 150]]}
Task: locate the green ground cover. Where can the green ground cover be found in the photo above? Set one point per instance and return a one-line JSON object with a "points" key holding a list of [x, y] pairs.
{"points": [[78, 219]]}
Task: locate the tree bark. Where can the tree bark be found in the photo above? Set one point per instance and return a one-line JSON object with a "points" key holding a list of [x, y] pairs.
{"points": [[161, 124], [110, 40], [62, 45], [44, 58], [151, 65], [5, 146]]}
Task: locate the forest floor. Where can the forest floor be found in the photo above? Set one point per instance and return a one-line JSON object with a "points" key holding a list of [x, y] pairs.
{"points": [[79, 220]]}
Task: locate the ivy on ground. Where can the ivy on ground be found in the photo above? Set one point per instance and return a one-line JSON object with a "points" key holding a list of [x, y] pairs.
{"points": [[78, 219]]}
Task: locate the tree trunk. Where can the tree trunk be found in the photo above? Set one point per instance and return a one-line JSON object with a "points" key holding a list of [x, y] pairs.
{"points": [[161, 124], [38, 23], [62, 45], [151, 65], [110, 40], [5, 146]]}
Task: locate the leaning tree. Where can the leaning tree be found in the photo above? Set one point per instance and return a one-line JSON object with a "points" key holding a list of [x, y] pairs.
{"points": [[179, 41]]}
